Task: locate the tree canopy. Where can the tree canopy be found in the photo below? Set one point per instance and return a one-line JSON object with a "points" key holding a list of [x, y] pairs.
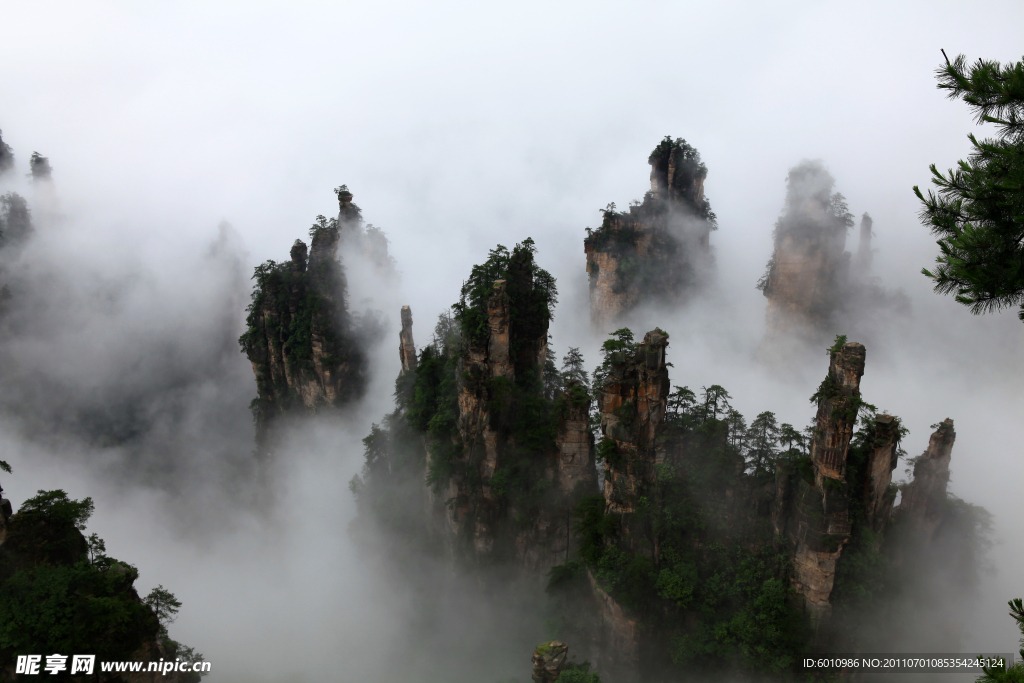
{"points": [[977, 211]]}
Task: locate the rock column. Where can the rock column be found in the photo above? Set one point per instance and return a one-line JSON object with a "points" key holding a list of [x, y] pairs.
{"points": [[921, 505], [881, 462], [632, 404], [822, 508], [406, 346]]}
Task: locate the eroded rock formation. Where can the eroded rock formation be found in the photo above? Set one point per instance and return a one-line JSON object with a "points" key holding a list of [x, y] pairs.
{"points": [[809, 266], [491, 449], [658, 251], [367, 240], [299, 338], [548, 661], [922, 504], [879, 492], [40, 167], [813, 286], [820, 525], [632, 407], [406, 345], [862, 262], [15, 220]]}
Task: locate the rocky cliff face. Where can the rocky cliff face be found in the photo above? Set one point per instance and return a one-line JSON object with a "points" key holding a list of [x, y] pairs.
{"points": [[632, 406], [406, 345], [813, 286], [492, 447], [658, 251], [549, 659], [820, 525], [365, 240], [809, 267], [705, 531], [299, 338], [922, 504], [879, 493]]}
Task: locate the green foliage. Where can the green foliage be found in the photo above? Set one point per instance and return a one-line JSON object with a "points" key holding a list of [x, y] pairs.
{"points": [[840, 342], [298, 306], [592, 527], [795, 443], [56, 509], [96, 548], [715, 400], [826, 391], [578, 673], [5, 467], [608, 452], [762, 436], [77, 608], [978, 209], [164, 605], [59, 592], [531, 290], [572, 367]]}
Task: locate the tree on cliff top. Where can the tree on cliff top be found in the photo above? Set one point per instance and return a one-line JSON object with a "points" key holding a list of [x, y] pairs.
{"points": [[978, 211]]}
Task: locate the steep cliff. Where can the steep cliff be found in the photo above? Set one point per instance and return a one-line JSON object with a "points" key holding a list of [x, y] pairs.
{"points": [[812, 287], [631, 402], [406, 345], [820, 525], [15, 220], [519, 455], [809, 267], [658, 251], [364, 239], [712, 546], [924, 499], [299, 337], [505, 439]]}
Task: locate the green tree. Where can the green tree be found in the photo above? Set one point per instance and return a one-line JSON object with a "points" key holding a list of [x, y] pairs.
{"points": [[761, 439], [97, 548], [978, 209], [572, 366], [737, 429], [164, 605], [56, 508], [715, 400], [794, 441]]}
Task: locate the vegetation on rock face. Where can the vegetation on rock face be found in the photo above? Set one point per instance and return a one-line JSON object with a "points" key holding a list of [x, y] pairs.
{"points": [[523, 406], [39, 166], [697, 561], [59, 592], [660, 243], [300, 337], [815, 219], [978, 210]]}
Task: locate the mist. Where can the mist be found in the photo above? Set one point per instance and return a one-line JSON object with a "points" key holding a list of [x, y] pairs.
{"points": [[191, 143]]}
